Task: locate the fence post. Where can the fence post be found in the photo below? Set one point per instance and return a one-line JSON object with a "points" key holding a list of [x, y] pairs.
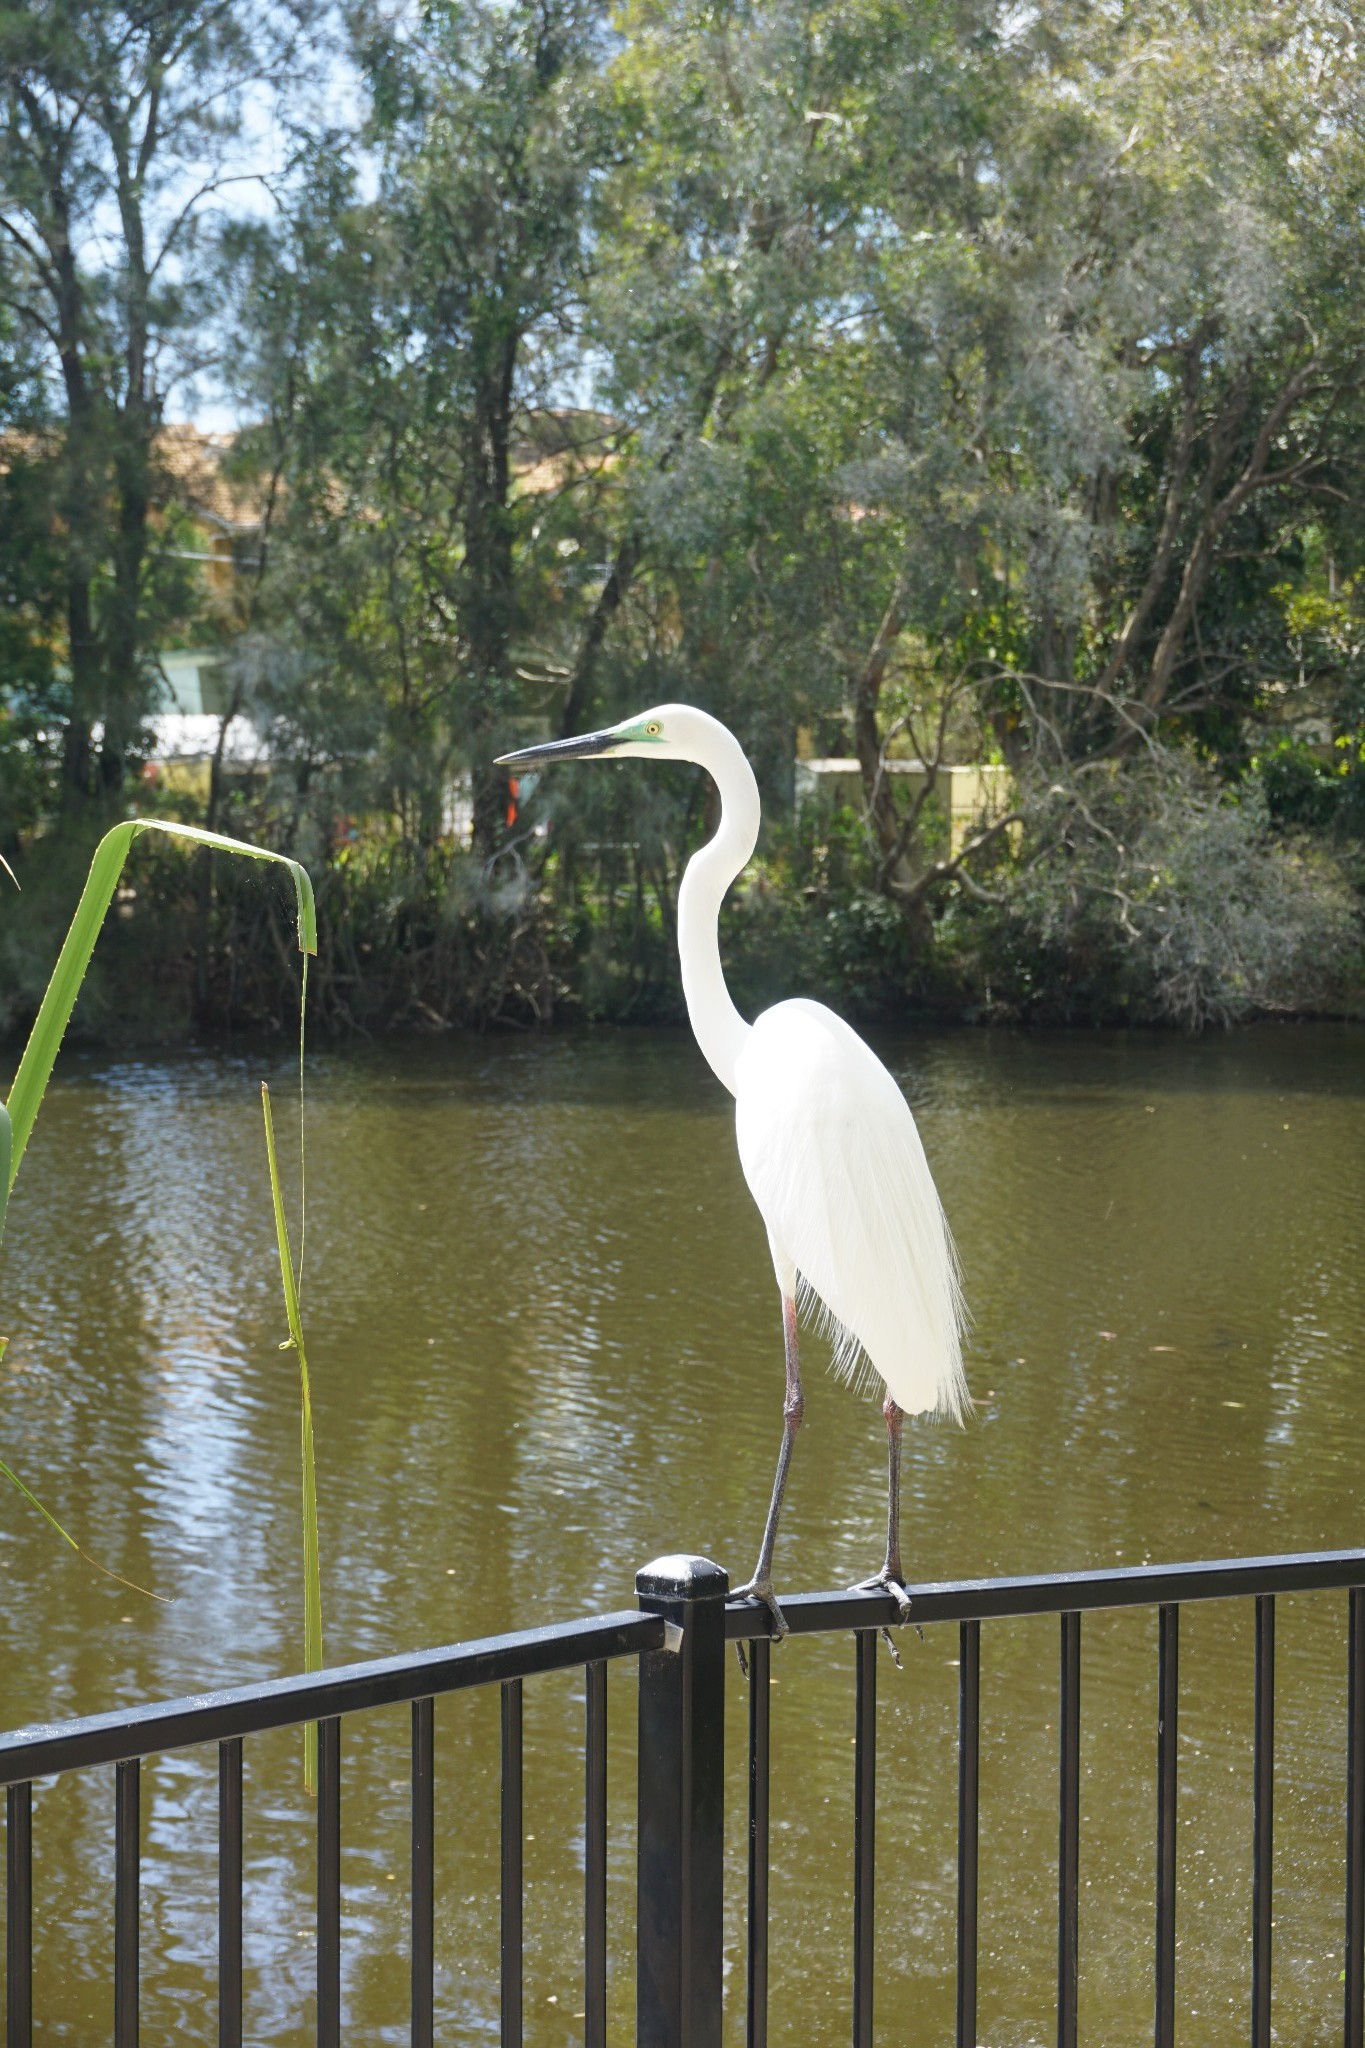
{"points": [[681, 1807]]}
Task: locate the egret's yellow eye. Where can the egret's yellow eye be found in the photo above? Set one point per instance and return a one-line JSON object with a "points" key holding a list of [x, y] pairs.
{"points": [[653, 729]]}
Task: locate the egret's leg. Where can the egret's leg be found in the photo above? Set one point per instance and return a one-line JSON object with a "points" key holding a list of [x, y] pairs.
{"points": [[891, 1570], [760, 1586], [890, 1576]]}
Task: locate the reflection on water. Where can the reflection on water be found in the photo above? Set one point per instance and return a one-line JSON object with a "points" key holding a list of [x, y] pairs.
{"points": [[545, 1347]]}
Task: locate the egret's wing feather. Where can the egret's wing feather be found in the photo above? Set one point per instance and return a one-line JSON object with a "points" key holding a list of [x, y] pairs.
{"points": [[833, 1159]]}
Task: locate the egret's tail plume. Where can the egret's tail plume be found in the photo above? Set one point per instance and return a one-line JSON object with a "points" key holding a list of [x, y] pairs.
{"points": [[851, 1361]]}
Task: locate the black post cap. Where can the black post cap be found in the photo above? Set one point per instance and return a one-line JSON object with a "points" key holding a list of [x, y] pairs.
{"points": [[671, 1579]]}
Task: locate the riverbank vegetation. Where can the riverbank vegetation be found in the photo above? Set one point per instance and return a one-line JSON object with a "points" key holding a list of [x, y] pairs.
{"points": [[949, 385]]}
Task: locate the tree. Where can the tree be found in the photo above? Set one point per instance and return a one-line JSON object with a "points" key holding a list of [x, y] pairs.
{"points": [[754, 326], [118, 127], [1027, 430], [431, 327], [1149, 356], [944, 382]]}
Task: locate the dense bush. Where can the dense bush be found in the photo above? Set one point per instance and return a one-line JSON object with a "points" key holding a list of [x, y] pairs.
{"points": [[1168, 897]]}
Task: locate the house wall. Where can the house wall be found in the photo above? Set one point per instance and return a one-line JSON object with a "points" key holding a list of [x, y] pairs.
{"points": [[972, 793]]}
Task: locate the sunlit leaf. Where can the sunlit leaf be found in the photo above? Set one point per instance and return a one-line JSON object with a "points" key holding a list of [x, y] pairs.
{"points": [[59, 1000]]}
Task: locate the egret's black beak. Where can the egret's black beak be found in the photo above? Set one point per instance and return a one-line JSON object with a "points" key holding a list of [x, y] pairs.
{"points": [[561, 750]]}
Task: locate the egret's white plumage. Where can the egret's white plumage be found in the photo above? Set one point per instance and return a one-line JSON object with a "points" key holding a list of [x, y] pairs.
{"points": [[834, 1161], [826, 1139]]}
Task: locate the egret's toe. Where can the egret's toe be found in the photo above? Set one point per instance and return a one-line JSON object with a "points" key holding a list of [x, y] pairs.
{"points": [[879, 1583], [762, 1590]]}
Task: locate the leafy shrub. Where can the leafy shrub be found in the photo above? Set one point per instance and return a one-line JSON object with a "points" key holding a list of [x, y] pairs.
{"points": [[1299, 788], [1164, 896]]}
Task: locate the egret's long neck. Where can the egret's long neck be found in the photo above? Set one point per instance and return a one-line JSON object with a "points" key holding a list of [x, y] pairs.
{"points": [[719, 1029]]}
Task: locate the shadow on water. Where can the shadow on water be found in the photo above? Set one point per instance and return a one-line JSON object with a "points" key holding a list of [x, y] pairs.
{"points": [[545, 1348]]}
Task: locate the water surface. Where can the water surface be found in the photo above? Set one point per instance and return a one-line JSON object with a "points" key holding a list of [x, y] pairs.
{"points": [[546, 1348]]}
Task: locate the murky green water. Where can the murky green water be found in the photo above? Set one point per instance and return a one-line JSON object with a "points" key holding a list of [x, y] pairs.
{"points": [[545, 1346]]}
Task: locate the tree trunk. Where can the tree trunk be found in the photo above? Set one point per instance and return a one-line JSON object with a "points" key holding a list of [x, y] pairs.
{"points": [[125, 683], [125, 677], [83, 493], [877, 792], [489, 592]]}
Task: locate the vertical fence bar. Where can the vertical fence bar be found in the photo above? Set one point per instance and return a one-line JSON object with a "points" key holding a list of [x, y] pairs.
{"points": [[760, 1705], [127, 1851], [230, 1893], [1263, 1822], [864, 1835], [423, 1849], [19, 1916], [968, 1804], [1167, 1712], [1355, 1822], [679, 1901], [329, 1883], [512, 1842], [595, 1859], [1069, 1831]]}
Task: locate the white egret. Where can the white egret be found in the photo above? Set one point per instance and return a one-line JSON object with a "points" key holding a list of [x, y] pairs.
{"points": [[826, 1139]]}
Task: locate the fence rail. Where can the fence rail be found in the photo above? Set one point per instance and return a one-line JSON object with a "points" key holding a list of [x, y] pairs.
{"points": [[679, 1638]]}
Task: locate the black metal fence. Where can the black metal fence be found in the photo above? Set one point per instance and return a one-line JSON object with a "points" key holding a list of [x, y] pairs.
{"points": [[679, 1637]]}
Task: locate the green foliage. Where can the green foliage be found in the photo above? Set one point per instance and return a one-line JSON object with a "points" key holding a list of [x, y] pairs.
{"points": [[945, 384], [117, 124], [1172, 901], [1300, 788], [404, 349]]}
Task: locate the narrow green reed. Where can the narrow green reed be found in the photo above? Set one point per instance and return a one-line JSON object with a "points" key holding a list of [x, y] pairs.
{"points": [[18, 1113], [312, 1570]]}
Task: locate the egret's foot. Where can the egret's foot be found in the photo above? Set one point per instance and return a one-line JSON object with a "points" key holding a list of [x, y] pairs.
{"points": [[761, 1589], [882, 1582]]}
